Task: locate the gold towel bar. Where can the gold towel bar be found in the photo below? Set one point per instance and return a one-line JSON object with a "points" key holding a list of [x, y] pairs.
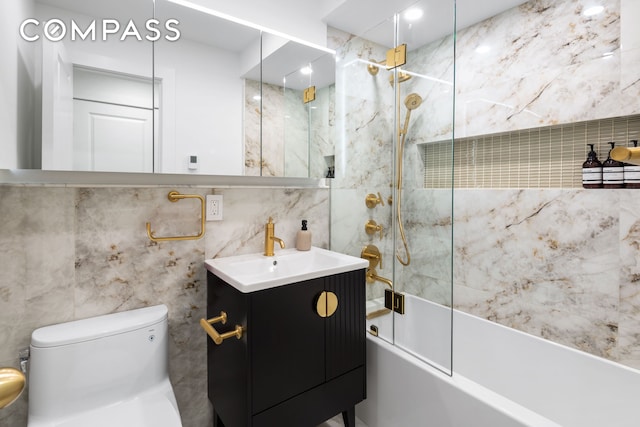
{"points": [[215, 336], [174, 196]]}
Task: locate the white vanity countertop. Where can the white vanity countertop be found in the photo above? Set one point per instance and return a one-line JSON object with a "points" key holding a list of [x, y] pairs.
{"points": [[255, 272]]}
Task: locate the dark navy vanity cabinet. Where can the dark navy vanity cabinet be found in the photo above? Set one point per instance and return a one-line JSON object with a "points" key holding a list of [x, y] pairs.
{"points": [[298, 362]]}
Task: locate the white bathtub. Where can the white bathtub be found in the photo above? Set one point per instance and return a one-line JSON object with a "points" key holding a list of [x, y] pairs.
{"points": [[501, 378]]}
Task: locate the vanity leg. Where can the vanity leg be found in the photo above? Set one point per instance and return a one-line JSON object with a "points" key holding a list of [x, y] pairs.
{"points": [[349, 417], [217, 422]]}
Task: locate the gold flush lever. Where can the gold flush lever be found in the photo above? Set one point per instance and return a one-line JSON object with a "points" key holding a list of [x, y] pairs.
{"points": [[371, 228], [215, 336], [12, 383], [372, 200]]}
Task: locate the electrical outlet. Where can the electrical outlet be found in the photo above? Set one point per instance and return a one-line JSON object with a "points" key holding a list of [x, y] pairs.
{"points": [[214, 207]]}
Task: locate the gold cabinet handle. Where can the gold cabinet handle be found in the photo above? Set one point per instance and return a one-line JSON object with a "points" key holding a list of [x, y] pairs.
{"points": [[327, 304], [214, 335]]}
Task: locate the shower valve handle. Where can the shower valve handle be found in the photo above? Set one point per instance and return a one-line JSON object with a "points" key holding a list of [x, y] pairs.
{"points": [[372, 200], [371, 227]]}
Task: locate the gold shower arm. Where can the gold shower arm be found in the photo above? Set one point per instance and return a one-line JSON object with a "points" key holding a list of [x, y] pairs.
{"points": [[174, 196]]}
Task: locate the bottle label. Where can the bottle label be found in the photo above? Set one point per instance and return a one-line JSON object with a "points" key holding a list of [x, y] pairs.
{"points": [[614, 175], [632, 174], [592, 175]]}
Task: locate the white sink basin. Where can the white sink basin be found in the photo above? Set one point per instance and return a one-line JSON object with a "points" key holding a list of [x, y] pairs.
{"points": [[255, 272]]}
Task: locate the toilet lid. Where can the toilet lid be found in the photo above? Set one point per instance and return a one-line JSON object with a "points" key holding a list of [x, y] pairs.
{"points": [[139, 412]]}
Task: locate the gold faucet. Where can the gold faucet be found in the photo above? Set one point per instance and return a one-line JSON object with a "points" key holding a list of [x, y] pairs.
{"points": [[269, 238]]}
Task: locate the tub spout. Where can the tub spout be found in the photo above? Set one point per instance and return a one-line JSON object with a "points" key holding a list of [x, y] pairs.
{"points": [[372, 276]]}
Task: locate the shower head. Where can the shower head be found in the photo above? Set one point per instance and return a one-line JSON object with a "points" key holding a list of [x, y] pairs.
{"points": [[412, 101]]}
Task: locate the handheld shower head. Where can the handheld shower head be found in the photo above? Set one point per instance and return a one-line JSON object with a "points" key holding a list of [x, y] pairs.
{"points": [[412, 101]]}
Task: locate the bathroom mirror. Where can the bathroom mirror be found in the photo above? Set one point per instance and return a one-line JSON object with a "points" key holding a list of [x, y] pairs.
{"points": [[309, 93], [288, 69], [91, 83], [191, 105], [202, 78]]}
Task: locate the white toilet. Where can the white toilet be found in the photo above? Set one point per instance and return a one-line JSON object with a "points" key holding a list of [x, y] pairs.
{"points": [[104, 371]]}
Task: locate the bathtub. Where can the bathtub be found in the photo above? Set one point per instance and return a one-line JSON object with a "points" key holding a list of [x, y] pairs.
{"points": [[501, 378]]}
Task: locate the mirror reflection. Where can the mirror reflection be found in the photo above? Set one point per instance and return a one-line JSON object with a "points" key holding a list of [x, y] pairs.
{"points": [[202, 78], [288, 69], [188, 93], [96, 86]]}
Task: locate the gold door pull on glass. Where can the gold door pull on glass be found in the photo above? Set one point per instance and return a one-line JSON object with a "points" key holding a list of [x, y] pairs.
{"points": [[174, 196], [216, 337]]}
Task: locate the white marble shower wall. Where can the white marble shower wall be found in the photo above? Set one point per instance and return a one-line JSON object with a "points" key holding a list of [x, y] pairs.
{"points": [[560, 264], [71, 253], [557, 263], [548, 63]]}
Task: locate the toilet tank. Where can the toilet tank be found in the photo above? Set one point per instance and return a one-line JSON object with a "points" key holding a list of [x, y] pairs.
{"points": [[87, 364]]}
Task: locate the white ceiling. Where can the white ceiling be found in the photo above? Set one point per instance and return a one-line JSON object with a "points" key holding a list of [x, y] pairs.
{"points": [[372, 19]]}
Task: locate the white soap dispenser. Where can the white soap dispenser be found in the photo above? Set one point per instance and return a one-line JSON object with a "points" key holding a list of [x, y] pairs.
{"points": [[303, 238]]}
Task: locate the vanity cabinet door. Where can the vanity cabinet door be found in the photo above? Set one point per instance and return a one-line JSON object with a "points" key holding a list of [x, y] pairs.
{"points": [[345, 329], [287, 343]]}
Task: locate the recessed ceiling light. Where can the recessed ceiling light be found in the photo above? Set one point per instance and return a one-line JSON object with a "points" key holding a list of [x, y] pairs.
{"points": [[413, 14], [593, 10], [306, 70]]}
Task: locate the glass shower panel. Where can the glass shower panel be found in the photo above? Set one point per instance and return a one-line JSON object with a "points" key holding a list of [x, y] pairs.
{"points": [[361, 216], [424, 111]]}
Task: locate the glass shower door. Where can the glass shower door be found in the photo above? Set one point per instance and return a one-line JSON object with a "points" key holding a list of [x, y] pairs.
{"points": [[423, 185], [382, 112]]}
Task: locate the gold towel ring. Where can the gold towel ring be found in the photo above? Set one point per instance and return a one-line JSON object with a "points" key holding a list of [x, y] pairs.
{"points": [[174, 196]]}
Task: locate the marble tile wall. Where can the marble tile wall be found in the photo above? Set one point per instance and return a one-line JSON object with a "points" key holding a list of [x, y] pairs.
{"points": [[561, 264], [71, 253]]}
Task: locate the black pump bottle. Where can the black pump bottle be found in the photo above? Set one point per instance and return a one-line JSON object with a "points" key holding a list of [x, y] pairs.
{"points": [[592, 170]]}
